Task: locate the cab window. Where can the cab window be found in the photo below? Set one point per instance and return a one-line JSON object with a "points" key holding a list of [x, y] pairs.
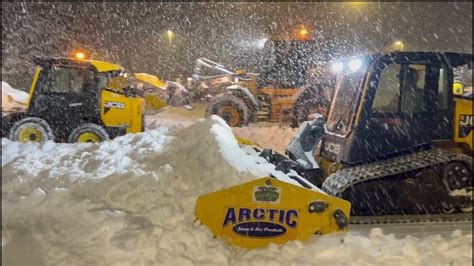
{"points": [[68, 80], [388, 91], [400, 89], [412, 81]]}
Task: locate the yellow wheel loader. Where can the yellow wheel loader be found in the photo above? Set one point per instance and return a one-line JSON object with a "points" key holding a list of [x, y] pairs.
{"points": [[211, 78], [70, 101], [292, 85]]}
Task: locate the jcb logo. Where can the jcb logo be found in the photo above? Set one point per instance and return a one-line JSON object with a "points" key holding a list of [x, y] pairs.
{"points": [[332, 147], [466, 120], [117, 105], [466, 123]]}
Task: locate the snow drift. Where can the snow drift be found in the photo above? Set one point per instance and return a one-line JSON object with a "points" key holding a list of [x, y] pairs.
{"points": [[12, 98], [131, 200]]}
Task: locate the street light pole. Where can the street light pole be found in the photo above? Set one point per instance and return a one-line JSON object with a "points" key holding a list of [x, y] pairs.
{"points": [[170, 36]]}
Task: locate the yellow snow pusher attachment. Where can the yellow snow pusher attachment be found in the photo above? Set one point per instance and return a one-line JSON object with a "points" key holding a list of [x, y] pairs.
{"points": [[147, 86], [267, 210]]}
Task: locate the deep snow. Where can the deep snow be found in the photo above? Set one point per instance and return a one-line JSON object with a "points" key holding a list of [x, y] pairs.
{"points": [[131, 200]]}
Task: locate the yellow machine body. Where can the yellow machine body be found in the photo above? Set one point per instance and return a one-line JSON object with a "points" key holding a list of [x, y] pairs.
{"points": [[153, 102], [267, 210], [244, 141], [150, 79], [155, 93], [102, 66], [282, 101], [33, 85], [464, 121], [117, 110], [150, 87]]}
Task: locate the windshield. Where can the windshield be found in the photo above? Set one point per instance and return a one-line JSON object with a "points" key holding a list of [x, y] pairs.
{"points": [[342, 108]]}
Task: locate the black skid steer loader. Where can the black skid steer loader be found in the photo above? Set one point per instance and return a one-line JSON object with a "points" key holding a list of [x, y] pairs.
{"points": [[397, 138]]}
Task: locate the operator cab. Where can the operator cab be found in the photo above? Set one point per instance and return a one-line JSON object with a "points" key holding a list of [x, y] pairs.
{"points": [[287, 59], [387, 104]]}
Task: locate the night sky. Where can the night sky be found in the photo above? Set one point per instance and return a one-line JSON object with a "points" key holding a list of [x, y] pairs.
{"points": [[134, 34]]}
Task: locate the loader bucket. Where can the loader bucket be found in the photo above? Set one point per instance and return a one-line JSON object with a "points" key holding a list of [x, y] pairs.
{"points": [[268, 210]]}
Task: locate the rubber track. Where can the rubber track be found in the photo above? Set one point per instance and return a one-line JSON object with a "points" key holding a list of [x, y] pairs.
{"points": [[339, 181], [411, 219]]}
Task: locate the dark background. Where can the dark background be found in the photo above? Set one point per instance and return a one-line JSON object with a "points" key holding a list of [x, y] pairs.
{"points": [[134, 34]]}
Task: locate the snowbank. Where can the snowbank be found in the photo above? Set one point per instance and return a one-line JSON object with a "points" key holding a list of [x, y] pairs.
{"points": [[131, 200], [276, 137], [272, 136], [12, 97]]}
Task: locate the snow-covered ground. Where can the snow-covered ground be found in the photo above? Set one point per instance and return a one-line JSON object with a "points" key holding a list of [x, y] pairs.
{"points": [[131, 200]]}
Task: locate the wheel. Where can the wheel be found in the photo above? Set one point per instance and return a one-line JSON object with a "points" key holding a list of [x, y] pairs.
{"points": [[88, 132], [31, 129], [232, 109], [457, 181]]}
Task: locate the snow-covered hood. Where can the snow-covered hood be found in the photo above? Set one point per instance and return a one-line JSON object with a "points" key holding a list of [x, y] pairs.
{"points": [[12, 98]]}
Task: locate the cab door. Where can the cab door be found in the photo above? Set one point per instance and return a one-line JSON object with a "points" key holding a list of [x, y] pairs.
{"points": [[408, 106], [64, 96]]}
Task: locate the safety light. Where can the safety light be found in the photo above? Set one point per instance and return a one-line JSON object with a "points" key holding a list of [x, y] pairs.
{"points": [[79, 55], [302, 33], [355, 64], [337, 67]]}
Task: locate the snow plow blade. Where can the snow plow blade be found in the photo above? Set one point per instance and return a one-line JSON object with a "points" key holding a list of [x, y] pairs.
{"points": [[267, 210]]}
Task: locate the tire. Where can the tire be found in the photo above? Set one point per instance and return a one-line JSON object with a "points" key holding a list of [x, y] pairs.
{"points": [[31, 129], [230, 108], [88, 132]]}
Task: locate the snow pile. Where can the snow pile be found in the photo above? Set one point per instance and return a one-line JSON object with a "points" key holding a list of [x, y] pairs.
{"points": [[276, 137], [12, 98], [267, 135], [248, 160], [153, 121], [131, 201]]}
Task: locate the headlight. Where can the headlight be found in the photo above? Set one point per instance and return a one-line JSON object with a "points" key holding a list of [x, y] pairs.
{"points": [[355, 64], [337, 67]]}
